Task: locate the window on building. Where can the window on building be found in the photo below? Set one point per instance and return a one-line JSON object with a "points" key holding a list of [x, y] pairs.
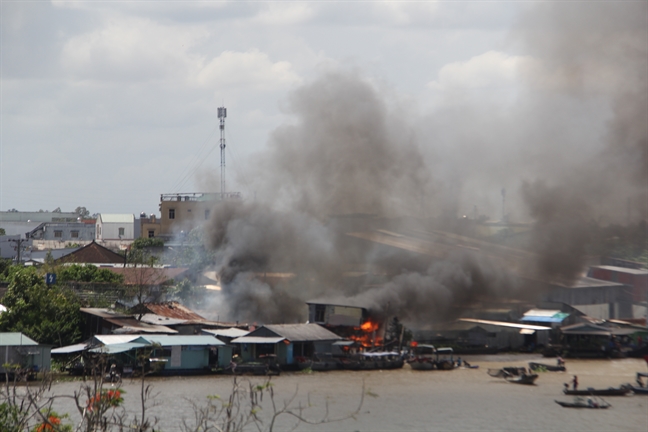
{"points": [[320, 313], [206, 214], [121, 231], [171, 213], [74, 234], [151, 233], [58, 234]]}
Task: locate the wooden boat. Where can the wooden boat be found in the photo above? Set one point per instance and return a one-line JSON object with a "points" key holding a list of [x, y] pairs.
{"points": [[619, 391], [588, 403], [318, 363], [641, 388], [427, 357], [550, 368], [515, 375], [372, 361]]}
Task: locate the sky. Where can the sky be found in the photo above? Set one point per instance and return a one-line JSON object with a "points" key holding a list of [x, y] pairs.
{"points": [[108, 104]]}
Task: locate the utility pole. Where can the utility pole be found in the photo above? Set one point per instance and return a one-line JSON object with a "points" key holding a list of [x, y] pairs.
{"points": [[19, 242], [222, 113]]}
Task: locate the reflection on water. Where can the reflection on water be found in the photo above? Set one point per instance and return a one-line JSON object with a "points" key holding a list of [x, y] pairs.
{"points": [[459, 400]]}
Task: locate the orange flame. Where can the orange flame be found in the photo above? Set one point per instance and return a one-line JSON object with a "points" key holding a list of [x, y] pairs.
{"points": [[369, 326]]}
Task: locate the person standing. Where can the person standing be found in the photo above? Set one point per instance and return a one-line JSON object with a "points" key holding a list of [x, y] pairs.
{"points": [[575, 382]]}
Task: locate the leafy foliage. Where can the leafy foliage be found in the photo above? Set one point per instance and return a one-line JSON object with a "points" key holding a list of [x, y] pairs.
{"points": [[82, 212], [88, 273], [47, 314], [142, 243], [5, 265], [2, 232]]}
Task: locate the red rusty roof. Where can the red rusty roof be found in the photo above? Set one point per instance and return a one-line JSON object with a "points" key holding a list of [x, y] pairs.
{"points": [[169, 309], [92, 253]]}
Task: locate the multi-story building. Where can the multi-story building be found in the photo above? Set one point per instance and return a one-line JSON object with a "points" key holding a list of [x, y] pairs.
{"points": [[147, 226], [186, 211], [115, 227], [75, 232]]}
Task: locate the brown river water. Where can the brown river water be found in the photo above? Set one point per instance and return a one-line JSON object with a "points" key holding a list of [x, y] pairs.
{"points": [[407, 400]]}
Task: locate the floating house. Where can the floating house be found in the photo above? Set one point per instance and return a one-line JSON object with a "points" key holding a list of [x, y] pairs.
{"points": [[167, 354], [286, 341], [19, 350]]}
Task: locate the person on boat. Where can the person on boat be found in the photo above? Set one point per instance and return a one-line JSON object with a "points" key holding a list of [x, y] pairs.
{"points": [[560, 361], [458, 361], [575, 382]]}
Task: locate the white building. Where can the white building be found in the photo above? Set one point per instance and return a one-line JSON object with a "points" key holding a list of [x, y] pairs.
{"points": [[111, 227]]}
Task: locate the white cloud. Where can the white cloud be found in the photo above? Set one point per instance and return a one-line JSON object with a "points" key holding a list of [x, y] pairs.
{"points": [[492, 69], [250, 68], [130, 50], [284, 14]]}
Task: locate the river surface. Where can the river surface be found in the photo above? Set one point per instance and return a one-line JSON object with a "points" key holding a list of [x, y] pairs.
{"points": [[407, 400]]}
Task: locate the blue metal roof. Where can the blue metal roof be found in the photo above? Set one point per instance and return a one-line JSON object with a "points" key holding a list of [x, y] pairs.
{"points": [[557, 318], [184, 340]]}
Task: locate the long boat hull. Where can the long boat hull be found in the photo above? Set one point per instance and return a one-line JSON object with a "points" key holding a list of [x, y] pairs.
{"points": [[621, 391], [422, 365], [549, 368], [581, 405]]}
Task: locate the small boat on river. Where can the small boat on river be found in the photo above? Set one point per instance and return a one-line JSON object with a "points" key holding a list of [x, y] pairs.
{"points": [[319, 363], [612, 391], [588, 403], [515, 375], [641, 388], [427, 357], [544, 367], [372, 361]]}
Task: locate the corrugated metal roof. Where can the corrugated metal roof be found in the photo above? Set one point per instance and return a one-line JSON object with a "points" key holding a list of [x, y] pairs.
{"points": [[558, 318], [15, 339], [258, 339], [170, 309], [103, 313], [505, 324], [542, 312], [70, 348], [117, 218], [229, 332], [622, 269], [166, 340], [160, 320], [132, 325], [116, 339], [301, 332], [118, 348]]}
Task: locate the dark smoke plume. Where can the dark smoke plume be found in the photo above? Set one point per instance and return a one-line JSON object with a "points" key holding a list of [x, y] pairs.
{"points": [[590, 50], [349, 151]]}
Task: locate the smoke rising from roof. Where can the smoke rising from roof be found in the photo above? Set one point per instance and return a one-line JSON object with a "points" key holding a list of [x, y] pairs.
{"points": [[350, 151]]}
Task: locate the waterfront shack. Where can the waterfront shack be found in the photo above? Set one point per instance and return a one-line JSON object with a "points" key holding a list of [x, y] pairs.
{"points": [[167, 354], [286, 342], [19, 350]]}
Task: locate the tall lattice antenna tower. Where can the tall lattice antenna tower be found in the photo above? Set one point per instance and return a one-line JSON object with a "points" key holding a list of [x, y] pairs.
{"points": [[222, 113]]}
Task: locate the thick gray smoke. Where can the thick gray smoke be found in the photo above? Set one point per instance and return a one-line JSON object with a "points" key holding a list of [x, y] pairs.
{"points": [[349, 151], [590, 51]]}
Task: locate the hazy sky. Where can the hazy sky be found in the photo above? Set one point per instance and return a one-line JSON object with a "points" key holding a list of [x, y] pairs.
{"points": [[108, 104]]}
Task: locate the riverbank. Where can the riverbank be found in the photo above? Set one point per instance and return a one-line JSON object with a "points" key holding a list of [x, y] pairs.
{"points": [[403, 399]]}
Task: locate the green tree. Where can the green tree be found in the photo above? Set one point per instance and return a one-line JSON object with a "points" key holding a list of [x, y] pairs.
{"points": [[87, 273], [3, 232], [5, 265], [142, 243], [82, 212], [47, 314]]}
